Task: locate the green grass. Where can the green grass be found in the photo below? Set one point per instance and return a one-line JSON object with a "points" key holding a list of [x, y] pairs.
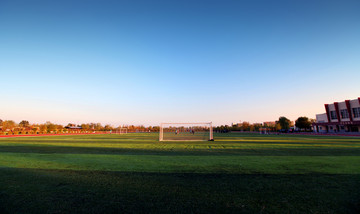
{"points": [[246, 173]]}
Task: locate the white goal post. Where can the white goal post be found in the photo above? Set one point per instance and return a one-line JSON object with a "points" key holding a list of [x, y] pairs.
{"points": [[186, 132], [120, 131]]}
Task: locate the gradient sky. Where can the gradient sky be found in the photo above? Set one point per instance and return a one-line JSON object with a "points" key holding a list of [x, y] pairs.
{"points": [[146, 62]]}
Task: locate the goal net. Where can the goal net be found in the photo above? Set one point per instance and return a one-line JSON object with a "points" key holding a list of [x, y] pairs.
{"points": [[120, 131], [186, 132]]}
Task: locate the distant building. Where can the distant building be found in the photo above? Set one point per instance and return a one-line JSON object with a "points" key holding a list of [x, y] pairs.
{"points": [[339, 117], [72, 126], [269, 123]]}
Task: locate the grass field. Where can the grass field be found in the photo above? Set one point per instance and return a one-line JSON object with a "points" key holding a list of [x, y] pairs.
{"points": [[237, 173]]}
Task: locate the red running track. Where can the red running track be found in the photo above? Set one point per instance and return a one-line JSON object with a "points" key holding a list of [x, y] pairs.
{"points": [[36, 135]]}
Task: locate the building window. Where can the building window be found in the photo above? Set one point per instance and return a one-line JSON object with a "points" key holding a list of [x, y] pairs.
{"points": [[333, 115], [356, 112], [344, 113]]}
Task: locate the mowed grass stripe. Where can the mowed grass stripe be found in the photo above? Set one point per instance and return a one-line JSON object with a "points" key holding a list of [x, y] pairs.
{"points": [[182, 146], [198, 164], [220, 144]]}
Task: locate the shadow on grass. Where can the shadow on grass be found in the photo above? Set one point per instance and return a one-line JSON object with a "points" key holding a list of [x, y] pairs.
{"points": [[66, 191], [311, 151]]}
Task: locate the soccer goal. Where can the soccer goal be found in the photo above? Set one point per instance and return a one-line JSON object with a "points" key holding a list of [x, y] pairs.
{"points": [[186, 132], [121, 131], [264, 130]]}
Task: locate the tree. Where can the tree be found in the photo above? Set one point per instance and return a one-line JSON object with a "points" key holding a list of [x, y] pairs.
{"points": [[277, 127], [108, 127], [155, 128], [303, 123], [35, 129], [1, 122], [251, 127], [50, 126], [245, 126], [284, 123], [8, 124], [43, 128], [271, 126], [59, 127], [24, 123], [85, 127], [96, 126], [257, 126]]}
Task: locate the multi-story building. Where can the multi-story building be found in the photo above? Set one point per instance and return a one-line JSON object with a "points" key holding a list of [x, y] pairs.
{"points": [[339, 117]]}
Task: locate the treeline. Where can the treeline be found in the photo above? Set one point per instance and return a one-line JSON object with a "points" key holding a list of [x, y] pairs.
{"points": [[24, 127], [283, 124], [244, 126], [10, 127], [99, 127]]}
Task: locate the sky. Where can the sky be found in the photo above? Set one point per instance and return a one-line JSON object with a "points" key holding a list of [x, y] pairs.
{"points": [[147, 62]]}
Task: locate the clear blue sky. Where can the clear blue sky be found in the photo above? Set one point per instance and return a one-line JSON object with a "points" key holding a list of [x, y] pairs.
{"points": [[146, 62]]}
